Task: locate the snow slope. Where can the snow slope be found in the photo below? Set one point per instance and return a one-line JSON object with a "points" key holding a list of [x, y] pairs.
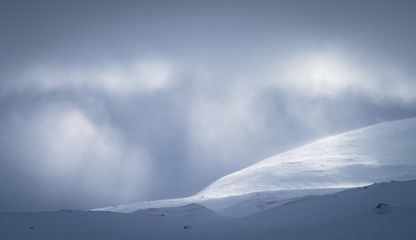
{"points": [[350, 214], [232, 206], [191, 210], [381, 152]]}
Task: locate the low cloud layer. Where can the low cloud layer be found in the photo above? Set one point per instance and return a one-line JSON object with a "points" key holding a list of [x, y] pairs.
{"points": [[141, 76]]}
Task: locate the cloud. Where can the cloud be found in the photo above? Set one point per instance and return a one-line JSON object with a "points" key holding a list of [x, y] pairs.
{"points": [[303, 96], [317, 74], [69, 156], [224, 124], [135, 77], [197, 121], [332, 72], [140, 76]]}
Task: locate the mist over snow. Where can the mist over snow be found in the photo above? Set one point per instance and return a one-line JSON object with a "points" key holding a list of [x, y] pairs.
{"points": [[113, 102]]}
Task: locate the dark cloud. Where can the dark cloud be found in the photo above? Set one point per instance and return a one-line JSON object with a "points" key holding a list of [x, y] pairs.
{"points": [[108, 102]]}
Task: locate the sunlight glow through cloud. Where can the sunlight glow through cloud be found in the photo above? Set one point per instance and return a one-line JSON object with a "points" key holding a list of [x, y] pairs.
{"points": [[329, 73], [325, 73]]}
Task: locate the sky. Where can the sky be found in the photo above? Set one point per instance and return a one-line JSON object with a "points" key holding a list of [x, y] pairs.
{"points": [[112, 102]]}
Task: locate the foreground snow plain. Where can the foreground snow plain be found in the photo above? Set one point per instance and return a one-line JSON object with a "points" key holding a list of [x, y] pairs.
{"points": [[349, 214], [312, 192]]}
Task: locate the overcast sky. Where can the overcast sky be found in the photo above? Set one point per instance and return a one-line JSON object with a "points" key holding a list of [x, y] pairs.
{"points": [[110, 102]]}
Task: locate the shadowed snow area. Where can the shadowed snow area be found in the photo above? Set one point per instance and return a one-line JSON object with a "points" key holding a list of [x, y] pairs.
{"points": [[191, 210], [379, 211]]}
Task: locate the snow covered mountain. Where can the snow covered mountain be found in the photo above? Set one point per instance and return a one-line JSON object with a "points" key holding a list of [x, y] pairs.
{"points": [[381, 152], [377, 153]]}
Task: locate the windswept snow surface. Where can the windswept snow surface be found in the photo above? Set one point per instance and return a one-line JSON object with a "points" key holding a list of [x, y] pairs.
{"points": [[349, 214], [381, 152]]}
